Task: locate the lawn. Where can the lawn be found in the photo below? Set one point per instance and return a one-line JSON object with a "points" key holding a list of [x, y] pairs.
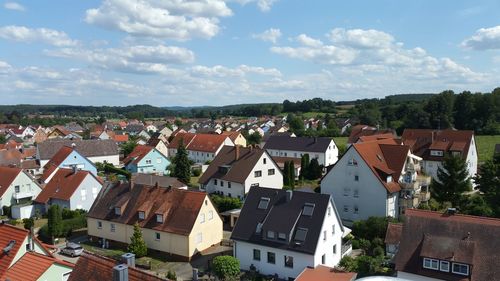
{"points": [[486, 146], [340, 141]]}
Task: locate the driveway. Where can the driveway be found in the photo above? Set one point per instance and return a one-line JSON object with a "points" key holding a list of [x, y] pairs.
{"points": [[63, 244]]}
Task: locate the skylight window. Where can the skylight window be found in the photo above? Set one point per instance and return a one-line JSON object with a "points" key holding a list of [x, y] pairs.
{"points": [[308, 209], [300, 234], [263, 203]]}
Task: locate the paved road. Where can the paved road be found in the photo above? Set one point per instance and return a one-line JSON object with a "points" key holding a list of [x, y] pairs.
{"points": [[62, 245]]}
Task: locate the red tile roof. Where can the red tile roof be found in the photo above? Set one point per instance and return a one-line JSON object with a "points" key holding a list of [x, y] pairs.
{"points": [[7, 176], [121, 138], [31, 267], [199, 142], [8, 233], [325, 273], [56, 161], [62, 185], [91, 267], [137, 154], [185, 137], [359, 131]]}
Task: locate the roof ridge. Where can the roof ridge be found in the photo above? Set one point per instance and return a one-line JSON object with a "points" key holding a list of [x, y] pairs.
{"points": [[454, 215]]}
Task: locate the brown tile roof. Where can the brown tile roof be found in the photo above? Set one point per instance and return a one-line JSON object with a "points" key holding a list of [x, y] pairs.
{"points": [[239, 168], [163, 181], [91, 267], [199, 142], [325, 273], [384, 157], [137, 154], [8, 233], [120, 138], [180, 207], [7, 176], [185, 137], [32, 266], [359, 131], [233, 135], [55, 161], [10, 157], [393, 234], [469, 239], [422, 141], [62, 185], [280, 161]]}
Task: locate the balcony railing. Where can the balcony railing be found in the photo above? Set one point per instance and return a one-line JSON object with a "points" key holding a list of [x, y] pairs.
{"points": [[21, 195], [346, 248]]}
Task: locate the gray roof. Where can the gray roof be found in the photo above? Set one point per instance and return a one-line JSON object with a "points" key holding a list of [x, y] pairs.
{"points": [[305, 144], [88, 148], [281, 216]]}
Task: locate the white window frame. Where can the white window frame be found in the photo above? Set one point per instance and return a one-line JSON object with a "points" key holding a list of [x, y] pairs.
{"points": [[199, 238], [99, 224], [142, 215], [159, 218], [202, 218], [112, 227], [442, 264], [210, 215], [431, 261], [157, 236], [458, 272]]}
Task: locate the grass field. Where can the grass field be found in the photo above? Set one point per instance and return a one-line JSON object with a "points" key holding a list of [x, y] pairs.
{"points": [[340, 141], [486, 146]]}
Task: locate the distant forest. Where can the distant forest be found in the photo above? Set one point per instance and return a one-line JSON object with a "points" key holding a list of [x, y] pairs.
{"points": [[466, 110]]}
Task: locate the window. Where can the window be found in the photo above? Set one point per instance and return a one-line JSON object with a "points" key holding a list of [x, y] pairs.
{"points": [[158, 160], [281, 236], [210, 215], [324, 235], [148, 161], [346, 208], [352, 162], [271, 257], [118, 211], [323, 259], [270, 234], [356, 193], [346, 191], [263, 203], [229, 195], [356, 178], [444, 266], [221, 183], [112, 227], [460, 268], [329, 211], [142, 215], [300, 235], [431, 263], [17, 189], [264, 160], [270, 172], [199, 238], [99, 224], [335, 248], [202, 218], [308, 209], [157, 236], [356, 209], [256, 255], [159, 218], [228, 185], [333, 229], [257, 174], [436, 153], [289, 261]]}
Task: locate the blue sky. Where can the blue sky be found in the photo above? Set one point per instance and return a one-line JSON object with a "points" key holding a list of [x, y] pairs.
{"points": [[218, 52]]}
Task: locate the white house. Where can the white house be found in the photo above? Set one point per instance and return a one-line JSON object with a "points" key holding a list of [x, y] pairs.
{"points": [[200, 147], [434, 145], [16, 187], [235, 169], [282, 232], [365, 182], [323, 149]]}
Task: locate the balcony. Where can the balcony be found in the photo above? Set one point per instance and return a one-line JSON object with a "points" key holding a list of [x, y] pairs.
{"points": [[346, 248], [22, 195]]}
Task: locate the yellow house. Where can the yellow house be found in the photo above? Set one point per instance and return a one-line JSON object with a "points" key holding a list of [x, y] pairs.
{"points": [[178, 222], [236, 137]]}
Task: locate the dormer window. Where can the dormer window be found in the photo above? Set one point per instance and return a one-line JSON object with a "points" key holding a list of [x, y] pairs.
{"points": [[436, 153], [118, 211], [142, 215], [159, 218], [281, 236], [460, 268], [389, 179], [308, 209], [263, 203], [270, 234]]}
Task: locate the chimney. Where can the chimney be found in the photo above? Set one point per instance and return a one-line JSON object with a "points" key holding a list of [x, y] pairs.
{"points": [[195, 274], [73, 145], [120, 272], [74, 169], [129, 259], [237, 152], [132, 180], [32, 239], [289, 195]]}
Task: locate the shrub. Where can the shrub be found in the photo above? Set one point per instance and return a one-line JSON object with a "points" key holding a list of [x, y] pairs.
{"points": [[196, 172], [171, 275], [137, 244], [378, 251], [226, 267], [223, 203], [6, 211], [28, 223], [70, 214]]}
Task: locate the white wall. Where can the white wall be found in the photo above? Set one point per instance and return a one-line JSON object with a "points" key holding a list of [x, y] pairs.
{"points": [[325, 247], [236, 190], [84, 196], [340, 184], [111, 159], [273, 181], [472, 158], [26, 185], [327, 158]]}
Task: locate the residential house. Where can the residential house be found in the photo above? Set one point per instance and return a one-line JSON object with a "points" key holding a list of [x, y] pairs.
{"points": [[119, 139], [434, 145], [343, 124], [235, 169], [58, 132], [146, 159], [325, 273], [367, 181], [67, 157], [69, 188], [166, 132], [17, 188], [151, 128], [97, 151], [323, 149], [25, 258], [23, 132], [281, 232], [92, 267], [159, 144], [134, 129], [236, 137], [447, 246], [180, 223], [200, 147], [162, 181], [365, 130]]}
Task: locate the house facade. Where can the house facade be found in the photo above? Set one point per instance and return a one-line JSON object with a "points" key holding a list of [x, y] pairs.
{"points": [[146, 159], [323, 149], [200, 147], [16, 187], [235, 169], [282, 232], [178, 222], [67, 158]]}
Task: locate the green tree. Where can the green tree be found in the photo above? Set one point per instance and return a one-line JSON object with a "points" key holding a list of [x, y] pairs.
{"points": [[226, 267], [224, 203], [137, 244], [476, 205], [2, 139], [314, 170], [286, 174], [28, 223], [304, 166], [348, 263], [171, 275], [488, 182], [254, 138], [128, 147], [182, 167], [452, 181], [296, 123], [291, 174], [54, 223]]}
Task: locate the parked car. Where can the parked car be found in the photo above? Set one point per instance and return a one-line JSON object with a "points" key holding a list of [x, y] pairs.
{"points": [[72, 249]]}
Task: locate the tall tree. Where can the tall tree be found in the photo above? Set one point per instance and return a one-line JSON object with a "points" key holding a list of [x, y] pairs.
{"points": [[304, 166], [137, 244], [314, 169], [291, 174], [286, 174], [54, 223], [452, 181], [488, 182], [182, 167], [463, 114]]}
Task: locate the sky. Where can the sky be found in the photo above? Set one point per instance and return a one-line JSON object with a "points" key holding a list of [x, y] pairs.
{"points": [[219, 52]]}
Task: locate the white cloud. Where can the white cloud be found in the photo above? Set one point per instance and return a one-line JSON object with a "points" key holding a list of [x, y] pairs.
{"points": [[240, 71], [484, 39], [271, 35], [29, 35], [264, 5], [359, 38], [14, 6], [168, 19], [308, 41], [320, 54]]}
